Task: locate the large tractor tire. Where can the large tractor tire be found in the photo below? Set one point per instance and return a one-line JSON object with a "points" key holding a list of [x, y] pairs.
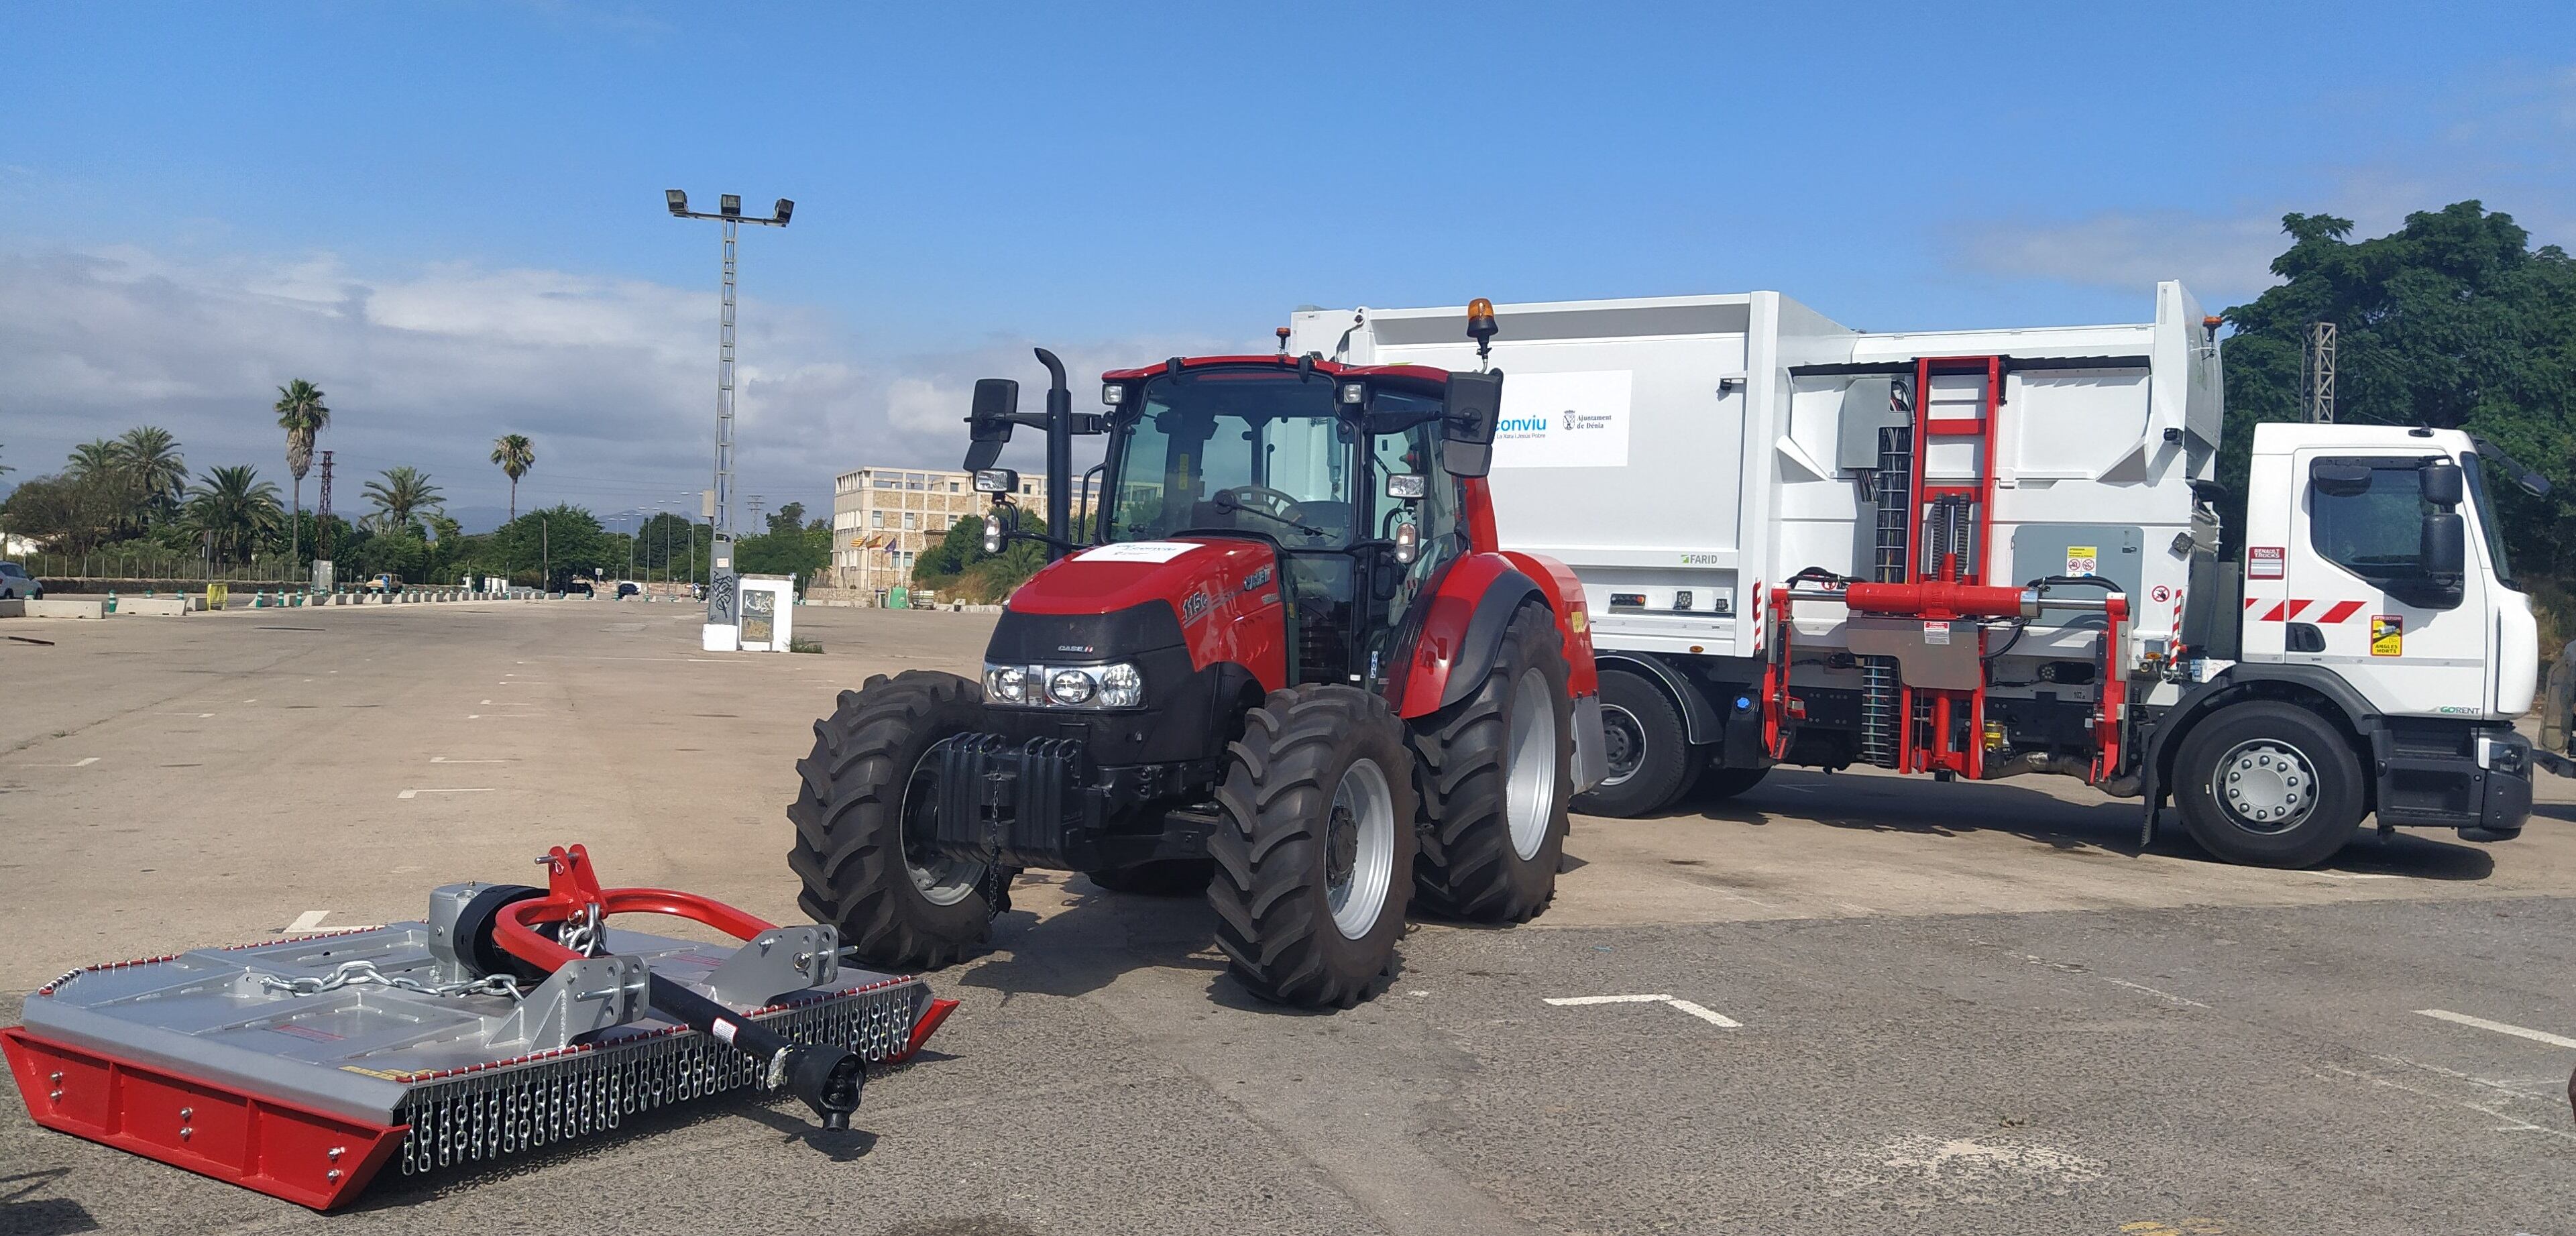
{"points": [[2268, 784], [1497, 773], [1652, 763], [1167, 877], [1314, 860], [867, 801]]}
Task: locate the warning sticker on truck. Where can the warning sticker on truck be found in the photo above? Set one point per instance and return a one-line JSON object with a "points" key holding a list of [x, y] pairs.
{"points": [[1564, 420], [2387, 635], [2263, 562], [2082, 560]]}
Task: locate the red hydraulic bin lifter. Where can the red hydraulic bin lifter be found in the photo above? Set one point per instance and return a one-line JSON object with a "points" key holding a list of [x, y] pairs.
{"points": [[1929, 615]]}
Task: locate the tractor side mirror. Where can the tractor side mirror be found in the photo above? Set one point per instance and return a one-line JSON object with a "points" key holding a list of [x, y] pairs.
{"points": [[988, 421], [2441, 483], [1468, 418]]}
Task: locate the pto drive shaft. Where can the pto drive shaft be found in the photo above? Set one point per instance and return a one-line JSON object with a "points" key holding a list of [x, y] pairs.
{"points": [[826, 1078]]}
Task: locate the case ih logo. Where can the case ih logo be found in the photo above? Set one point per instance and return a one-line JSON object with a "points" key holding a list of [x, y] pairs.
{"points": [[1256, 579]]}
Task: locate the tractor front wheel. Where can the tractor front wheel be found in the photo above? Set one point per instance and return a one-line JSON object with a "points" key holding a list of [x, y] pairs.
{"points": [[1314, 861], [1497, 774], [867, 805]]}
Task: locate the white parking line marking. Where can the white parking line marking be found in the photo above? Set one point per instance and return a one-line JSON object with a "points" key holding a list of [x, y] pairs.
{"points": [[1705, 1014], [2520, 1032], [1702, 1012], [310, 920], [480, 789], [440, 759], [505, 716], [83, 762], [199, 715]]}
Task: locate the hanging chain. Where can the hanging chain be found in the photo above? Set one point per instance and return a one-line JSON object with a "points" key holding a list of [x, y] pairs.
{"points": [[355, 973]]}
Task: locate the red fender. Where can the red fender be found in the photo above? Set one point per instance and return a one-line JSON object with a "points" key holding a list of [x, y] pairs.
{"points": [[1495, 584]]}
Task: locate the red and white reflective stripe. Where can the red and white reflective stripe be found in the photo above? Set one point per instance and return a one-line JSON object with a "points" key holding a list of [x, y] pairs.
{"points": [[2289, 611]]}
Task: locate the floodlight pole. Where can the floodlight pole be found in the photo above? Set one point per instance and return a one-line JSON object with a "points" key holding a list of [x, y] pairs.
{"points": [[722, 605]]}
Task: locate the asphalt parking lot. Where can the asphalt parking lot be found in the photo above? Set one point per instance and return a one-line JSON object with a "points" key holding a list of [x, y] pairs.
{"points": [[1892, 1007]]}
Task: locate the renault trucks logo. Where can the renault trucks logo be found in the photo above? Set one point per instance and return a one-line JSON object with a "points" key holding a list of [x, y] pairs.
{"points": [[1564, 420]]}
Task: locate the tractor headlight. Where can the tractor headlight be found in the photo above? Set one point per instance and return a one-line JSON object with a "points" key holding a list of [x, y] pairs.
{"points": [[1065, 686], [1007, 683], [1121, 686], [1071, 687]]}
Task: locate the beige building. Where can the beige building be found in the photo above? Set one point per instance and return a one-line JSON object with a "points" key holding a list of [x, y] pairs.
{"points": [[883, 518]]}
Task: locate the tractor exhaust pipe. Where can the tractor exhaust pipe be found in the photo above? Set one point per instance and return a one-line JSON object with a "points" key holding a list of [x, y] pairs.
{"points": [[1059, 465]]}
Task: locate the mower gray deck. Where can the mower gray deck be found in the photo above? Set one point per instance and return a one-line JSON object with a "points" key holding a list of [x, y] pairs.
{"points": [[474, 1075]]}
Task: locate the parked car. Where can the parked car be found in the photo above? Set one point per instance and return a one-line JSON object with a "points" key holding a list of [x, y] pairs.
{"points": [[627, 588], [385, 582], [17, 585]]}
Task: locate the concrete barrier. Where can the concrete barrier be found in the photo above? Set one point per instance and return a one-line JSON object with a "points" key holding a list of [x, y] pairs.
{"points": [[14, 607], [67, 607], [157, 607]]}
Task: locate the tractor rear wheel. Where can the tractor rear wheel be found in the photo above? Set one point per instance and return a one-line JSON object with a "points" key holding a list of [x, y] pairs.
{"points": [[867, 804], [1497, 775], [1314, 861]]}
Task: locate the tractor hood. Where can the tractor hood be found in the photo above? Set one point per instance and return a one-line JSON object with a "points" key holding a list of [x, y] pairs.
{"points": [[1110, 602]]}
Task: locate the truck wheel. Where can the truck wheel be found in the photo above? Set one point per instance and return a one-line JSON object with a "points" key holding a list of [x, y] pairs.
{"points": [[868, 799], [2268, 784], [1314, 861], [1651, 762], [1497, 774], [1719, 784], [1169, 877]]}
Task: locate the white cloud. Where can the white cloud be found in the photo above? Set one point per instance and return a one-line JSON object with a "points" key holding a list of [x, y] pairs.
{"points": [[614, 378], [2222, 259]]}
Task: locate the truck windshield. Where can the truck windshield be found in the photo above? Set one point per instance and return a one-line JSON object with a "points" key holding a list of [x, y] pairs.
{"points": [[2489, 528], [1233, 451]]}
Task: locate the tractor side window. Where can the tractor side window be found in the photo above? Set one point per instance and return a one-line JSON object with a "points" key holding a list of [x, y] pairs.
{"points": [[2374, 527]]}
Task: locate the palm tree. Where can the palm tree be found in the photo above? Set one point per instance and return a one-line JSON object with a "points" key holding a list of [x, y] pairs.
{"points": [[94, 460], [515, 455], [302, 414], [402, 493], [232, 508], [149, 457]]}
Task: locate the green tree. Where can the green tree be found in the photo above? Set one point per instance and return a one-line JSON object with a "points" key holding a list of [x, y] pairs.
{"points": [[302, 414], [786, 549], [789, 516], [149, 457], [560, 537], [233, 510], [67, 513], [2452, 321], [400, 496], [516, 455]]}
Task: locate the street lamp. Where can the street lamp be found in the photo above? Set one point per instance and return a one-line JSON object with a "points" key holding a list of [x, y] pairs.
{"points": [[722, 610]]}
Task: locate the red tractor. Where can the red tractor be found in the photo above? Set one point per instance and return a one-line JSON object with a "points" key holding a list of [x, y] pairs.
{"points": [[1284, 660]]}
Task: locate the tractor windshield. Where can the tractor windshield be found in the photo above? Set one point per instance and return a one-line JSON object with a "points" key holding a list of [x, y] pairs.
{"points": [[1233, 451]]}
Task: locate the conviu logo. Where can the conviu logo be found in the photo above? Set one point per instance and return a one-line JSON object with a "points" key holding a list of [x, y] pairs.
{"points": [[1522, 424]]}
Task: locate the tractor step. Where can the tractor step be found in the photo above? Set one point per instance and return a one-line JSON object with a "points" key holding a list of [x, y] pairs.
{"points": [[301, 1067]]}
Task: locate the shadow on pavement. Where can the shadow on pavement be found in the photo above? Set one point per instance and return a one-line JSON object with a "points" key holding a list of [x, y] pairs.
{"points": [[1913, 805]]}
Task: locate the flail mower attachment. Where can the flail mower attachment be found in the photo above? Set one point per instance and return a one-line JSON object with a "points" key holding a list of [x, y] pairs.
{"points": [[511, 1020]]}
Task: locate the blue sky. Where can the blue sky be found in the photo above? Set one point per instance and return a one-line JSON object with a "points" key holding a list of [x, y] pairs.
{"points": [[449, 215]]}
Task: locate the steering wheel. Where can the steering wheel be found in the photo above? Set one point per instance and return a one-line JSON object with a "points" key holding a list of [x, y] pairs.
{"points": [[1261, 500]]}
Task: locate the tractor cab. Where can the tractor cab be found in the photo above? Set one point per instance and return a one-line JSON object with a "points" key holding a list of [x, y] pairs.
{"points": [[1285, 601], [1336, 471]]}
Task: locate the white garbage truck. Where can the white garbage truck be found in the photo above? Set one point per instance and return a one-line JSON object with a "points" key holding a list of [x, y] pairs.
{"points": [[1989, 553]]}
